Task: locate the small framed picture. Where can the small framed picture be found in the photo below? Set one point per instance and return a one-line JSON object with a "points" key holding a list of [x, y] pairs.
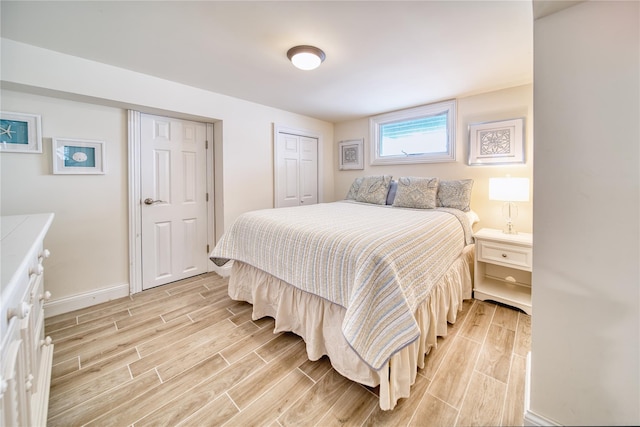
{"points": [[20, 133], [351, 154], [78, 156], [494, 143]]}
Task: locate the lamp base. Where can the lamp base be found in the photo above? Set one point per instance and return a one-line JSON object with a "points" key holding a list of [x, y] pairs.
{"points": [[509, 212], [509, 229]]}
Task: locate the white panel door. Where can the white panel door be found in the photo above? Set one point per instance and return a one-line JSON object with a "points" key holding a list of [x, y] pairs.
{"points": [[296, 170], [288, 155], [308, 173], [174, 205]]}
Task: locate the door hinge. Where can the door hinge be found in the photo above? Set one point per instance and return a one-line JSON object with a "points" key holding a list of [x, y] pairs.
{"points": [[206, 145], [208, 249], [207, 198]]}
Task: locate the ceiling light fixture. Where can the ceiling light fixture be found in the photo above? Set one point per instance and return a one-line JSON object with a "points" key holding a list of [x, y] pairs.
{"points": [[306, 57]]}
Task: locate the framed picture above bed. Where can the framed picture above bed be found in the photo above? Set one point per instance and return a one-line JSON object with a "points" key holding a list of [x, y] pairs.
{"points": [[351, 154], [495, 143]]}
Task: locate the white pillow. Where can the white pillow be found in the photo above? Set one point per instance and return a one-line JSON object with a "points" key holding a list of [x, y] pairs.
{"points": [[472, 217]]}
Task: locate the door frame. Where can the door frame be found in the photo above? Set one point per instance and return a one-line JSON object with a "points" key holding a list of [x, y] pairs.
{"points": [[277, 129], [135, 197]]}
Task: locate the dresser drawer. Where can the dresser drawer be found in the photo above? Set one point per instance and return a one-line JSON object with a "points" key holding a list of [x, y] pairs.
{"points": [[505, 254]]}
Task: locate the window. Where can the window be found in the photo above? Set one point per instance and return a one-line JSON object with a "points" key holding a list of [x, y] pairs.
{"points": [[417, 135]]}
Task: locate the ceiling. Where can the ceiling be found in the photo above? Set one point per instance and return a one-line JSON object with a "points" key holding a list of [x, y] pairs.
{"points": [[381, 56]]}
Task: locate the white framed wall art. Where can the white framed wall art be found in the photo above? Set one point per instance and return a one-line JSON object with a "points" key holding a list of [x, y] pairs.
{"points": [[351, 154], [78, 156], [20, 133], [494, 143]]}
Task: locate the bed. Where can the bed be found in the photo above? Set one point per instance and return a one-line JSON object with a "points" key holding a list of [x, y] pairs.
{"points": [[369, 281]]}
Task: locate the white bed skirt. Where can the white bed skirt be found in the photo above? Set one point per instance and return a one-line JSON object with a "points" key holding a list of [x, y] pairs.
{"points": [[319, 321]]}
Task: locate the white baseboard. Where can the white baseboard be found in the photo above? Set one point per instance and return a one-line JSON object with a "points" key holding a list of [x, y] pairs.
{"points": [[532, 419], [87, 299]]}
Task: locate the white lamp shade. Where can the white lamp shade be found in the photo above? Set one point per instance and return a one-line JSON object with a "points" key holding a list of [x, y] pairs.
{"points": [[509, 189]]}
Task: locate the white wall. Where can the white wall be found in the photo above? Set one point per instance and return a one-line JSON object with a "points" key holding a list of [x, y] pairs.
{"points": [[88, 238], [586, 281], [499, 105], [81, 98]]}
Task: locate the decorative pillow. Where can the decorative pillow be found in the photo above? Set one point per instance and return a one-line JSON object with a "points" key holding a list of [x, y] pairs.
{"points": [[355, 186], [416, 192], [391, 195], [472, 217], [455, 194], [374, 189]]}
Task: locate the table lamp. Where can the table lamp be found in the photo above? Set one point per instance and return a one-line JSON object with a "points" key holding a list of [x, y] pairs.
{"points": [[509, 190]]}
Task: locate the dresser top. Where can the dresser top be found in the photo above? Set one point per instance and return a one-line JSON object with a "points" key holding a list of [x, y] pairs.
{"points": [[21, 235]]}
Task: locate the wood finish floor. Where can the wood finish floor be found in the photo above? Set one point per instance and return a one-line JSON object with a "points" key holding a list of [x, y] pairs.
{"points": [[186, 354]]}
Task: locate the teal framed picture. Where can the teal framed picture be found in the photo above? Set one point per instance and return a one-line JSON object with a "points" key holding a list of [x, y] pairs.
{"points": [[78, 156], [20, 133]]}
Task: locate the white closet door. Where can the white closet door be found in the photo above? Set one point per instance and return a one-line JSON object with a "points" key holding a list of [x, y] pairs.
{"points": [[296, 169], [287, 165], [308, 171]]}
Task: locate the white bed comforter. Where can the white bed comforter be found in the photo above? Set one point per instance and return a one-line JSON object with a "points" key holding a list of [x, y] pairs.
{"points": [[378, 262]]}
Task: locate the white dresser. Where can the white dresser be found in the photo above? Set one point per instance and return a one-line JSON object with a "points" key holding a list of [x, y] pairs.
{"points": [[26, 355]]}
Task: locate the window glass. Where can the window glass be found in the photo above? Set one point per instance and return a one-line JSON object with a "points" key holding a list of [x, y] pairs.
{"points": [[417, 135]]}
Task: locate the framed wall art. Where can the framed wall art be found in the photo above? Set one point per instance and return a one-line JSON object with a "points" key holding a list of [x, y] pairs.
{"points": [[351, 154], [20, 133], [78, 156], [495, 143]]}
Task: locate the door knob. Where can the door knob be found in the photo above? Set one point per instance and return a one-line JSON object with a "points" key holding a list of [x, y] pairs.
{"points": [[150, 201]]}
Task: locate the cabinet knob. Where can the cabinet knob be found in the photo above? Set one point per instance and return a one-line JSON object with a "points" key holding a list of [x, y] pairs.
{"points": [[504, 255], [46, 296], [37, 270], [21, 311], [46, 342]]}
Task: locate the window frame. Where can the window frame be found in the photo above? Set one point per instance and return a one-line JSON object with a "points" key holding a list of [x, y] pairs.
{"points": [[375, 122]]}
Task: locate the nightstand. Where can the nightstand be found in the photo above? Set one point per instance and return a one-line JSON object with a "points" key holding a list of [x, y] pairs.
{"points": [[503, 265]]}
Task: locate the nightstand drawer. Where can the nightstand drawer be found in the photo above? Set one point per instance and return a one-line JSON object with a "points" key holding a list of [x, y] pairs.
{"points": [[503, 254]]}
